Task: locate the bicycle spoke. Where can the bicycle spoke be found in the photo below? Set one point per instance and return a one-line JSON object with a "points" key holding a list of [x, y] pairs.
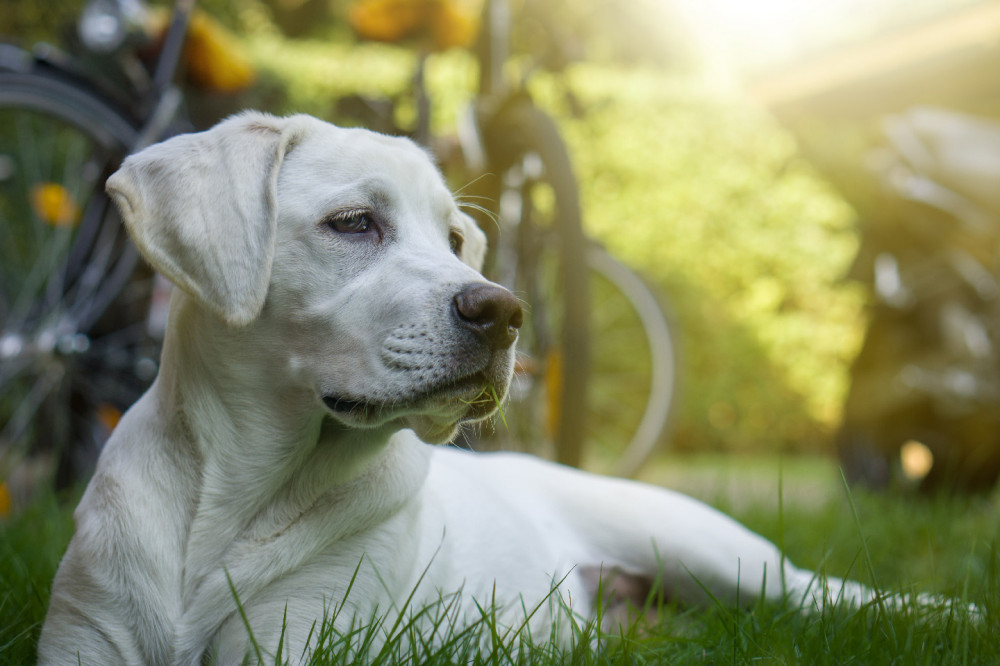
{"points": [[10, 369], [91, 220], [64, 265], [28, 407], [51, 238], [83, 305], [73, 178]]}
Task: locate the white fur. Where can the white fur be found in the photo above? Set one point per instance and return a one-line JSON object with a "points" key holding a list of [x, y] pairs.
{"points": [[231, 467]]}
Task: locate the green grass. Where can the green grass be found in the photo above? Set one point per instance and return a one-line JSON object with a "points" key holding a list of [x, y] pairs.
{"points": [[31, 545], [943, 545]]}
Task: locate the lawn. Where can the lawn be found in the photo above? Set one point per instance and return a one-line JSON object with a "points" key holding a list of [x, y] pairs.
{"points": [[944, 545]]}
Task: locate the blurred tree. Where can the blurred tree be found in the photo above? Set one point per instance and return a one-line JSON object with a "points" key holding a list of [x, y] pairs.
{"points": [[700, 190], [300, 18], [557, 32], [27, 21]]}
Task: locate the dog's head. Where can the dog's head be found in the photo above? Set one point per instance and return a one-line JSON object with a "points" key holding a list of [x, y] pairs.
{"points": [[344, 251]]}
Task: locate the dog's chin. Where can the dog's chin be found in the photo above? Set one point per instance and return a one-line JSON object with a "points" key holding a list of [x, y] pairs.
{"points": [[434, 415], [431, 429], [442, 425]]}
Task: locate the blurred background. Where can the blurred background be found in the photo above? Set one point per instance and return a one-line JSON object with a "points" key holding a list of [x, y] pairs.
{"points": [[748, 158]]}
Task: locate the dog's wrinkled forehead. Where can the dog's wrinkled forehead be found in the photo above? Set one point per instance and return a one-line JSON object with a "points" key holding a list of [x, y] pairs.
{"points": [[350, 154], [332, 169]]}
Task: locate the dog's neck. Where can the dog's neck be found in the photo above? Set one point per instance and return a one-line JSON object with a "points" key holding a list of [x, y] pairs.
{"points": [[263, 443], [271, 464], [237, 387]]}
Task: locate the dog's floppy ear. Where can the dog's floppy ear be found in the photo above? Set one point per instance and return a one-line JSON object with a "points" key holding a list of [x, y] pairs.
{"points": [[202, 209], [474, 243]]}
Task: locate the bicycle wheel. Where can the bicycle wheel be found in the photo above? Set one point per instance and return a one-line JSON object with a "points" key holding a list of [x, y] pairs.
{"points": [[632, 366], [603, 403], [538, 210], [73, 347]]}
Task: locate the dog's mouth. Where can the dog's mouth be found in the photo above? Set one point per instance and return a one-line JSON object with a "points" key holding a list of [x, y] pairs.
{"points": [[469, 398], [348, 406]]}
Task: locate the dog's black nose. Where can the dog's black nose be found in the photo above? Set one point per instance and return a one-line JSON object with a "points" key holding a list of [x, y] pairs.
{"points": [[491, 312]]}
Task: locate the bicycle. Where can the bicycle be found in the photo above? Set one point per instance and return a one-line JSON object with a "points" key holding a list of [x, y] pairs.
{"points": [[80, 316], [584, 307]]}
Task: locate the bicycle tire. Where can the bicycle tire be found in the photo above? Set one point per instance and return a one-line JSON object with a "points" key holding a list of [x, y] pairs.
{"points": [[640, 328], [523, 254], [521, 137], [74, 296], [631, 381]]}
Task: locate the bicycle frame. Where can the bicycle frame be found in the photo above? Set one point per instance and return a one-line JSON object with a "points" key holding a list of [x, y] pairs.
{"points": [[493, 49], [166, 94], [119, 106]]}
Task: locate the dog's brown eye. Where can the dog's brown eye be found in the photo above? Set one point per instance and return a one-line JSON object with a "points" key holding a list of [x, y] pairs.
{"points": [[351, 223], [455, 240]]}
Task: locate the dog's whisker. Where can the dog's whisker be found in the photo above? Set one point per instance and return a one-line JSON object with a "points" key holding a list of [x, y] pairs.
{"points": [[490, 214], [472, 182], [474, 198]]}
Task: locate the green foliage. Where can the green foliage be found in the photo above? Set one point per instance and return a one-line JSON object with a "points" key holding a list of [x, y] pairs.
{"points": [[708, 197], [556, 32], [316, 74], [691, 184], [27, 21], [701, 191]]}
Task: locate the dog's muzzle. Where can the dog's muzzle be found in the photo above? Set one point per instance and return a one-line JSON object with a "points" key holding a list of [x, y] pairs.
{"points": [[440, 379]]}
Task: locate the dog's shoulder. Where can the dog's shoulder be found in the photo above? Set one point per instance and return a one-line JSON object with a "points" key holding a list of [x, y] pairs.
{"points": [[133, 511], [124, 564], [147, 461]]}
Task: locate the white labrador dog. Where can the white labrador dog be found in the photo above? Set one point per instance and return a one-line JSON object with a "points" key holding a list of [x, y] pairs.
{"points": [[329, 321]]}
